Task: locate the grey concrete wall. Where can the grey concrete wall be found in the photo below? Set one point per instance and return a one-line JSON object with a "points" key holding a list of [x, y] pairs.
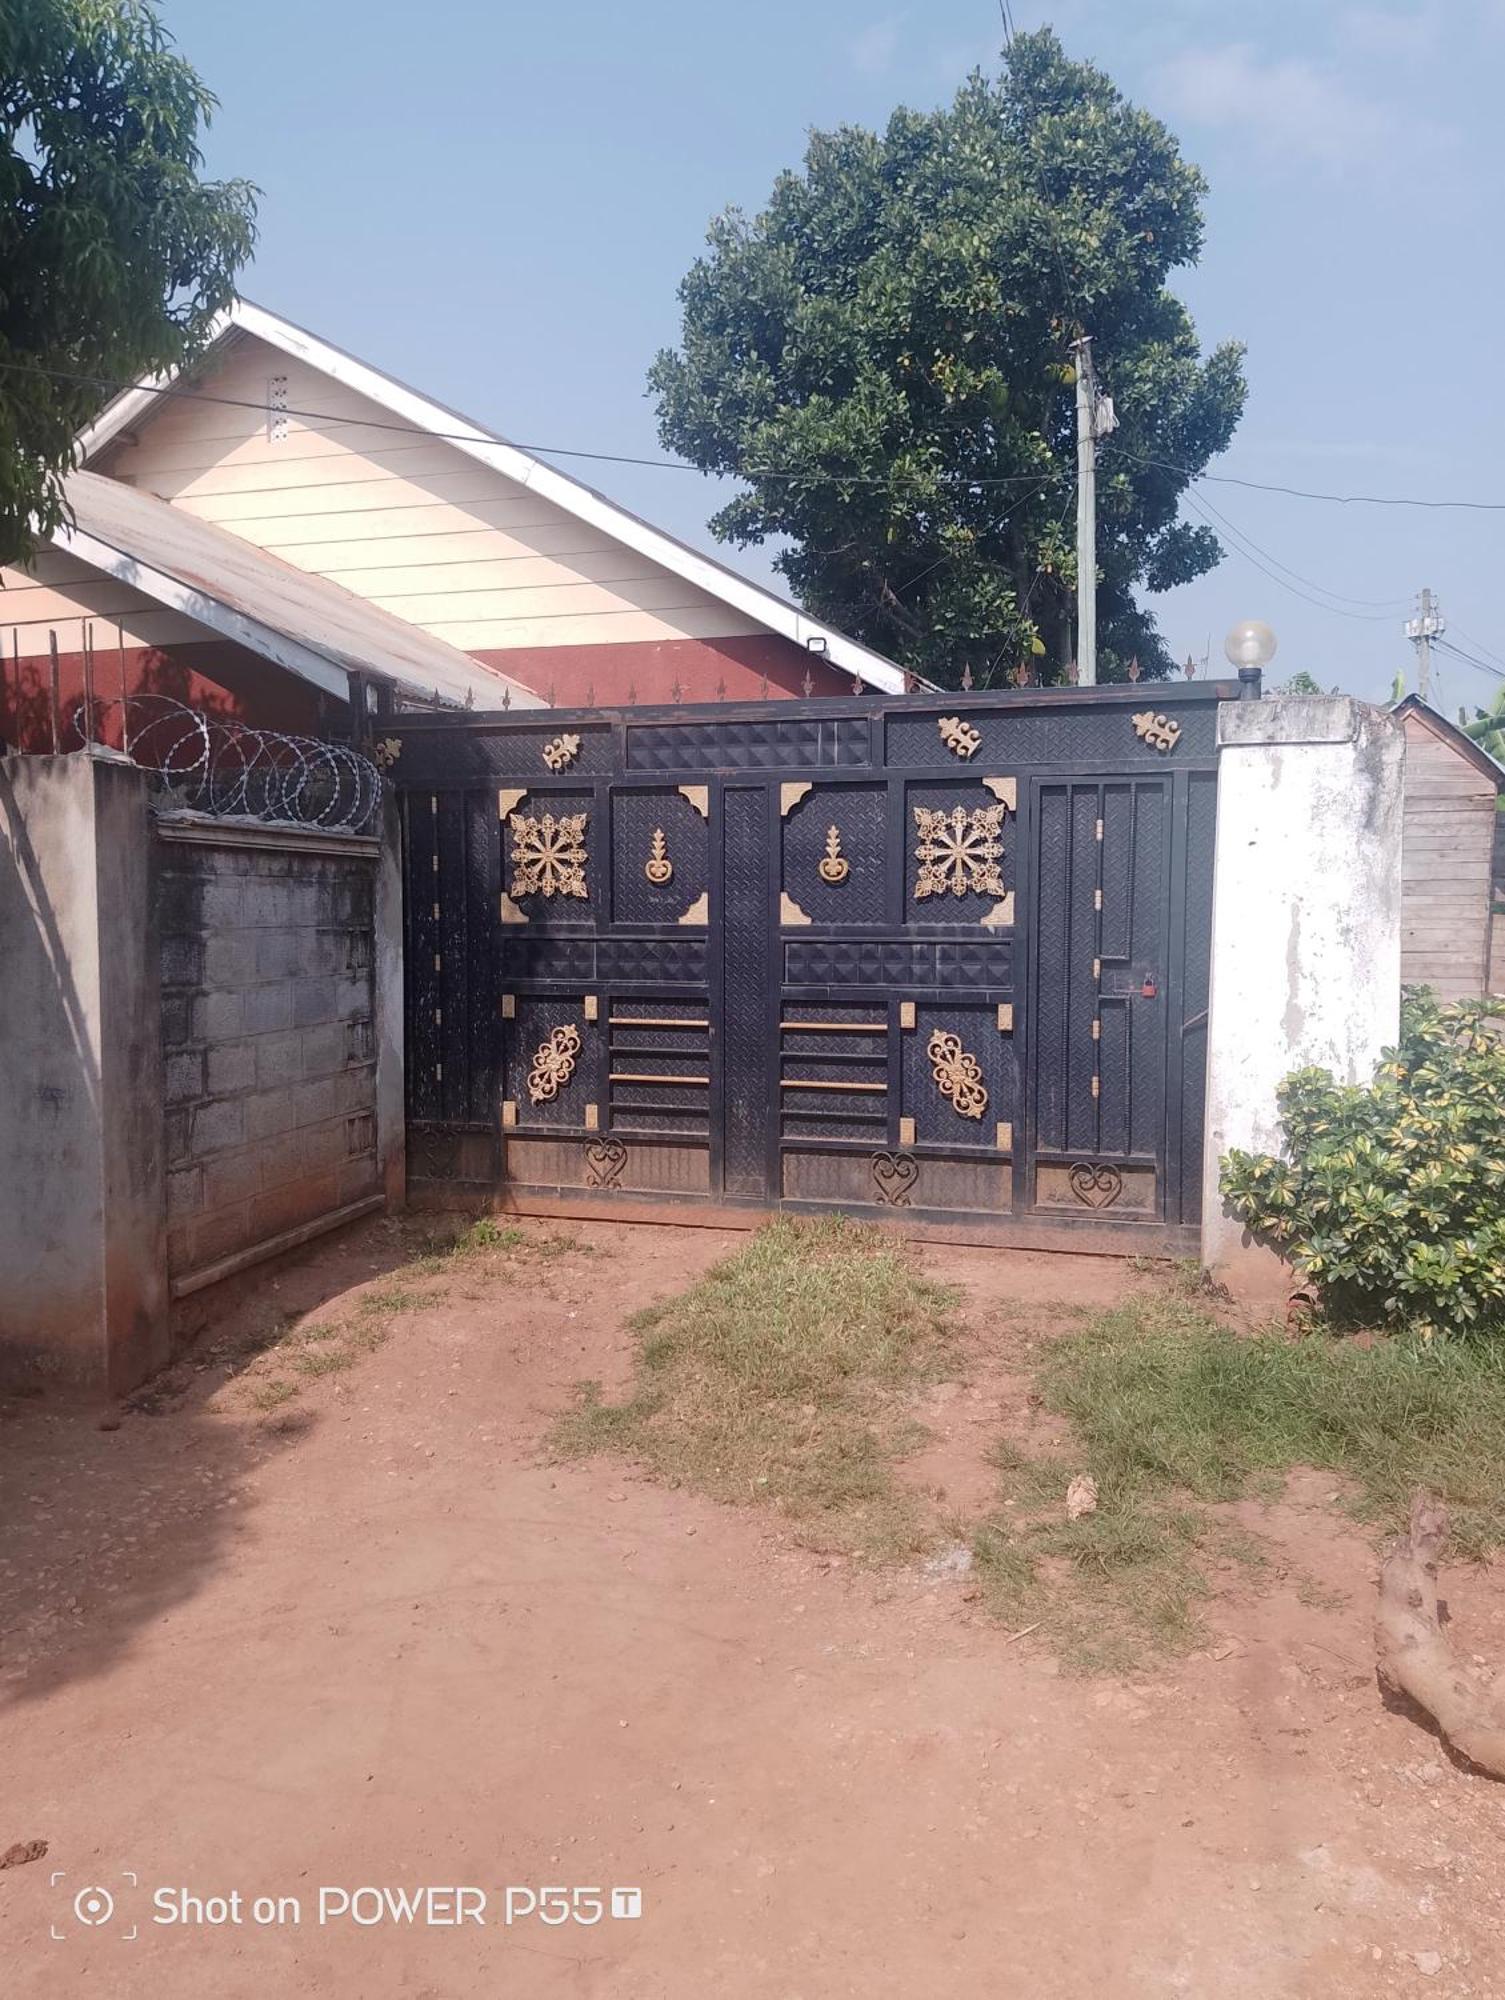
{"points": [[83, 1297], [269, 1035], [1306, 941]]}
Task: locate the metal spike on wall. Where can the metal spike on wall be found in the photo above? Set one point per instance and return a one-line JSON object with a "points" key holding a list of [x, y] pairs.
{"points": [[632, 694], [676, 693], [857, 684], [1134, 668], [590, 694], [721, 688], [1191, 668], [506, 697], [549, 697], [967, 677], [808, 684], [763, 688]]}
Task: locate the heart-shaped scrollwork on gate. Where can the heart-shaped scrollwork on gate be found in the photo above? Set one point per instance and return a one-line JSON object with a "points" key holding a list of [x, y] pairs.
{"points": [[894, 1174], [1098, 1186], [604, 1161]]}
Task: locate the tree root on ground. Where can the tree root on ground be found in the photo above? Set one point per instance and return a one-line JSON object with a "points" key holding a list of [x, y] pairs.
{"points": [[1415, 1656]]}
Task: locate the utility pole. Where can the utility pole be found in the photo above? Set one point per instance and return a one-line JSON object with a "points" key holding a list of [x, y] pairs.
{"points": [[1421, 631], [1094, 419]]}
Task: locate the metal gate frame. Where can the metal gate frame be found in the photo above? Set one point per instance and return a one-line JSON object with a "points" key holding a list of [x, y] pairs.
{"points": [[477, 962]]}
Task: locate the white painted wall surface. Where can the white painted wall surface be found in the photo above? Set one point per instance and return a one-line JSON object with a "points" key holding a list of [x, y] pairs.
{"points": [[1306, 936]]}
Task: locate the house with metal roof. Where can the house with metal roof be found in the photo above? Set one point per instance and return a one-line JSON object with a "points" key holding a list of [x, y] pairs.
{"points": [[247, 535]]}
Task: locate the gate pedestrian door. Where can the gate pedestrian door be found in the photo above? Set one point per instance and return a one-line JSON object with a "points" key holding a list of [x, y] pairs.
{"points": [[942, 956]]}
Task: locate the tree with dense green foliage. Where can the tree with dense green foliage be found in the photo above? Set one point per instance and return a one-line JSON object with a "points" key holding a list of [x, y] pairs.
{"points": [[115, 256], [884, 359], [1391, 1195]]}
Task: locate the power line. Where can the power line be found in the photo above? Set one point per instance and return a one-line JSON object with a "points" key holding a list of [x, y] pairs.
{"points": [[476, 436], [1386, 605], [1305, 493], [334, 420], [1236, 540], [1478, 645], [1447, 646]]}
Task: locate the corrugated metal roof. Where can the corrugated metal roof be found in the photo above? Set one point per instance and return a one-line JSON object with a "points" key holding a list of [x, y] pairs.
{"points": [[304, 623]]}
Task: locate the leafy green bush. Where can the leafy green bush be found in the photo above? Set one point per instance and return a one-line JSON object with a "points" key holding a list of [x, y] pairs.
{"points": [[1391, 1196]]}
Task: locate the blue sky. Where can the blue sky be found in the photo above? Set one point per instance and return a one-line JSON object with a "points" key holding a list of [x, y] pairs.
{"points": [[497, 201]]}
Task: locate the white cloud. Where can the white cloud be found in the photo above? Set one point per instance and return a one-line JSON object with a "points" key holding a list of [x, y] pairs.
{"points": [[1287, 105], [873, 51]]}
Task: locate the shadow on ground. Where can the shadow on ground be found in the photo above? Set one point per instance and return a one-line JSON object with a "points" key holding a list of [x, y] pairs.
{"points": [[110, 1520]]}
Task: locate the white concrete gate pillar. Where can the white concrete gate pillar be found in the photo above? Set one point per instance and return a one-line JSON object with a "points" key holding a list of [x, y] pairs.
{"points": [[1305, 928]]}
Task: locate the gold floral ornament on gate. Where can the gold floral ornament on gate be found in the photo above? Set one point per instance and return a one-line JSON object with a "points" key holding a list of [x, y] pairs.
{"points": [[959, 851], [1157, 730], [835, 868], [958, 1075], [658, 867], [561, 752], [959, 737], [553, 1064], [548, 854]]}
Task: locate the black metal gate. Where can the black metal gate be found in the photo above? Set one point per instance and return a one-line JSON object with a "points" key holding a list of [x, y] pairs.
{"points": [[940, 955]]}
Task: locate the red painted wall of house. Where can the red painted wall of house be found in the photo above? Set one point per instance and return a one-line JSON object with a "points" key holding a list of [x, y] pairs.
{"points": [[670, 670], [210, 678], [224, 681]]}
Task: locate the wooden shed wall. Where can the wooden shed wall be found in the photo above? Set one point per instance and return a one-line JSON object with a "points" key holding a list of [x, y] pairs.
{"points": [[1447, 856], [409, 522]]}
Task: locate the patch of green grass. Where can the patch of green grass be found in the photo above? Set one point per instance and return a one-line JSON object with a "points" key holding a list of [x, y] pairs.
{"points": [[1172, 1411], [385, 1299], [269, 1395], [319, 1330], [325, 1360], [485, 1234], [488, 1234], [780, 1378], [1162, 1393]]}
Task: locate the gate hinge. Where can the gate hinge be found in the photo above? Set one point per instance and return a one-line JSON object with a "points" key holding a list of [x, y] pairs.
{"points": [[1099, 831]]}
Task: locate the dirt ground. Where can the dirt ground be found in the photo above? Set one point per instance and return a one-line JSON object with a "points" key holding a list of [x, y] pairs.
{"points": [[375, 1637]]}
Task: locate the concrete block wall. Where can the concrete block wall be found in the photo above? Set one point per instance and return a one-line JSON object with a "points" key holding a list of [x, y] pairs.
{"points": [[269, 1036]]}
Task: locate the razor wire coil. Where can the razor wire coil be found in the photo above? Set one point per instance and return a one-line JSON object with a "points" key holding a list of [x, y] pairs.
{"points": [[214, 764]]}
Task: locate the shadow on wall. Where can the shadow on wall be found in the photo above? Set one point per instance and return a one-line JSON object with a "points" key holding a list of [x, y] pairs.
{"points": [[26, 695], [108, 1523], [50, 1083]]}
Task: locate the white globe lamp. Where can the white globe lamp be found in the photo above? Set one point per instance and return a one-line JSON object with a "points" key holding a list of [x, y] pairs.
{"points": [[1251, 644]]}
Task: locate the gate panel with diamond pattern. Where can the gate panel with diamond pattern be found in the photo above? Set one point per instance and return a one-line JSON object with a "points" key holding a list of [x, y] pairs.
{"points": [[939, 956]]}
